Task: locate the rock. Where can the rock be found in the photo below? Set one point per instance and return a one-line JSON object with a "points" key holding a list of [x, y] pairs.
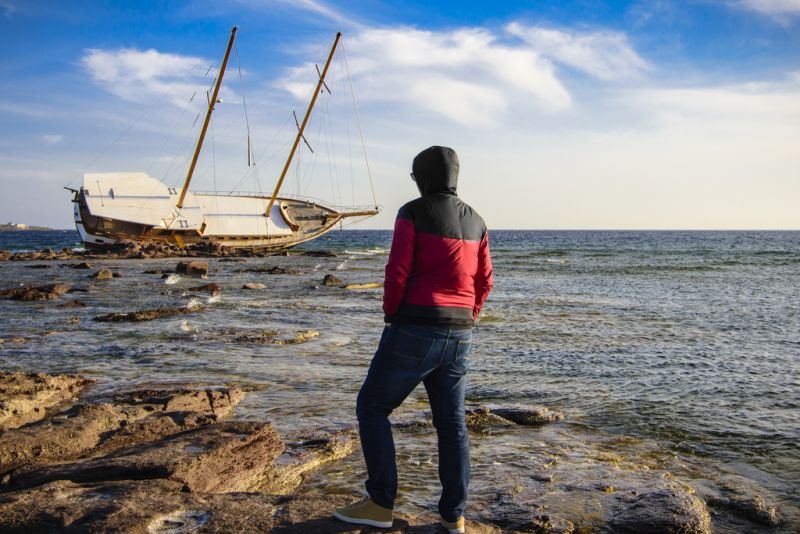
{"points": [[103, 274], [197, 269], [265, 337], [73, 433], [26, 397], [145, 315], [528, 416], [666, 510], [222, 457], [368, 285], [253, 285], [753, 508], [319, 253], [39, 266], [331, 281], [78, 290], [305, 455], [481, 420], [29, 293], [212, 288], [233, 260], [275, 269], [159, 506], [73, 304], [81, 265]]}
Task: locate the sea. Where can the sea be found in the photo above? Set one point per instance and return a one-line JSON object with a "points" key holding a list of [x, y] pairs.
{"points": [[686, 342]]}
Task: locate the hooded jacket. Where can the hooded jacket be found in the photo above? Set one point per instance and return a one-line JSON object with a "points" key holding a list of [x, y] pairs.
{"points": [[439, 270]]}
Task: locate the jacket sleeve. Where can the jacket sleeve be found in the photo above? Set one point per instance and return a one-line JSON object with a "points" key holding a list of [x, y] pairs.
{"points": [[483, 278], [398, 268]]}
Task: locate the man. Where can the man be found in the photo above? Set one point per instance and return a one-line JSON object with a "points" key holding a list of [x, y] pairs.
{"points": [[438, 276]]}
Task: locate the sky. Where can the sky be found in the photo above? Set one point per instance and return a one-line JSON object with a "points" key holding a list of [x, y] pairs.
{"points": [[577, 114]]}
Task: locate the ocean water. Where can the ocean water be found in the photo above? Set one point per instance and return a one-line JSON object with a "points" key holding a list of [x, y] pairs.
{"points": [[687, 341]]}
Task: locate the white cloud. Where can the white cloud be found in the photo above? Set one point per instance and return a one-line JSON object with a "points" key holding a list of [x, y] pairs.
{"points": [[606, 55], [312, 6], [465, 75], [780, 10], [52, 139], [139, 75]]}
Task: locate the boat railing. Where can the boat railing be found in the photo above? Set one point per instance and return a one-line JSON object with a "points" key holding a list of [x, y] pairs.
{"points": [[303, 198]]}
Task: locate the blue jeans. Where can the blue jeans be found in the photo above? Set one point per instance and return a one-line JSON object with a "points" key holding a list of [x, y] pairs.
{"points": [[406, 356]]}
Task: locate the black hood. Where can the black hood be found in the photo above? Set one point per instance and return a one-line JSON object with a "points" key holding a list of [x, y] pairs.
{"points": [[436, 170]]}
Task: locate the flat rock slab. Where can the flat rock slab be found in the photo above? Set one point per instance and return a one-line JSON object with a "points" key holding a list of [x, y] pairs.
{"points": [[29, 293], [109, 426], [669, 510], [305, 455], [158, 506], [26, 397], [223, 457], [146, 315]]}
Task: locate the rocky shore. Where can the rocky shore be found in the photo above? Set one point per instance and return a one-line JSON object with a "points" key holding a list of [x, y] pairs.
{"points": [[139, 251], [79, 455], [174, 459]]}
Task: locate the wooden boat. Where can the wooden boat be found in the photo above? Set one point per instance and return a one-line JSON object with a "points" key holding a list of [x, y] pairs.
{"points": [[132, 206]]}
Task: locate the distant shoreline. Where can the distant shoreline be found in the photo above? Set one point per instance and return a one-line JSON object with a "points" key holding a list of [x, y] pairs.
{"points": [[26, 228]]}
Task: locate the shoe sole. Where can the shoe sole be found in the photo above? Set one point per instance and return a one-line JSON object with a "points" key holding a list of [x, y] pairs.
{"points": [[452, 530], [359, 521]]}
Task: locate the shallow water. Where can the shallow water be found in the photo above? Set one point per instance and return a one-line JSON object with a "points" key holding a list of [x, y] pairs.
{"points": [[687, 341]]}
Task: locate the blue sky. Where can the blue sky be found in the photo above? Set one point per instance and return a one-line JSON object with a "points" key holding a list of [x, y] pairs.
{"points": [[583, 114]]}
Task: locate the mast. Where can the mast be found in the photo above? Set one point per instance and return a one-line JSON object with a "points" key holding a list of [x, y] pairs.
{"points": [[299, 136], [211, 104]]}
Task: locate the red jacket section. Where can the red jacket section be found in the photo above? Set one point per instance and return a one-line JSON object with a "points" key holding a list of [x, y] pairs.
{"points": [[434, 271]]}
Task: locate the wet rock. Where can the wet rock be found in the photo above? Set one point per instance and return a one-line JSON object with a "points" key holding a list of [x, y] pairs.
{"points": [[253, 285], [368, 285], [73, 433], [26, 397], [81, 265], [78, 290], [304, 455], [667, 510], [73, 304], [319, 253], [146, 315], [222, 457], [103, 274], [528, 416], [5, 255], [197, 269], [275, 269], [159, 506], [753, 508], [266, 337], [233, 260], [29, 293], [482, 421], [39, 266], [331, 281], [211, 288]]}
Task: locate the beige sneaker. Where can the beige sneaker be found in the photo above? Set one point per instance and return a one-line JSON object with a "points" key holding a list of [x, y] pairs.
{"points": [[365, 512], [454, 528]]}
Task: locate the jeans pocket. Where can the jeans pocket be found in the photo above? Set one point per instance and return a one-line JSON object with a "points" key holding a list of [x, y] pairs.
{"points": [[461, 360], [410, 350]]}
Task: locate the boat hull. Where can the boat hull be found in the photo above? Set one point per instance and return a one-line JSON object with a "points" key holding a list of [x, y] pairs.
{"points": [[308, 220]]}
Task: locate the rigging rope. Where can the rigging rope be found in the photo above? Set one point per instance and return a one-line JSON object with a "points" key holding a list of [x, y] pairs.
{"points": [[358, 119]]}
